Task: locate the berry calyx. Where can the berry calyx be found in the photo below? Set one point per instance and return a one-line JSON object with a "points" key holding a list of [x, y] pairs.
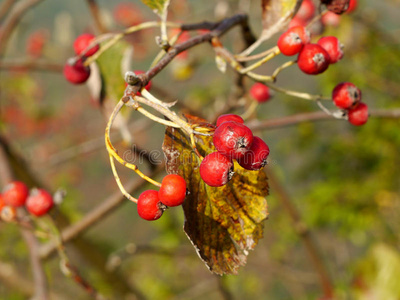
{"points": [[173, 190], [336, 6], [232, 139], [216, 169], [346, 95], [334, 48], [260, 92], [15, 193], [313, 59], [229, 117], [292, 41], [149, 206], [82, 42], [358, 115], [256, 157], [39, 202], [76, 73]]}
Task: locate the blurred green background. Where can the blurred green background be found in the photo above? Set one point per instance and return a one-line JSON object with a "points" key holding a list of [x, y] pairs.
{"points": [[344, 180]]}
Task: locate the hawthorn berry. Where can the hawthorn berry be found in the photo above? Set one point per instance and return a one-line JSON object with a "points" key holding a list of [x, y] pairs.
{"points": [[35, 43], [313, 59], [297, 21], [352, 6], [232, 139], [306, 10], [76, 73], [15, 193], [39, 202], [293, 40], [216, 169], [82, 42], [229, 117], [173, 190], [149, 206], [256, 157], [346, 95], [359, 114], [260, 92], [334, 48], [2, 203], [330, 19]]}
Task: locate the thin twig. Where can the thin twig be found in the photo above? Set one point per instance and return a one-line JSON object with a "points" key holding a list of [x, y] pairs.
{"points": [[4, 8], [29, 65], [95, 11]]}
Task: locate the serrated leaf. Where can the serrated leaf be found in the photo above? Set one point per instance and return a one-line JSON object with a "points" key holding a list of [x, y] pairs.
{"points": [[222, 223], [156, 5]]}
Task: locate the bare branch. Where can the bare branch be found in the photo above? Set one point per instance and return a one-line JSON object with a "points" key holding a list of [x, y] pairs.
{"points": [[95, 11], [4, 8], [30, 65]]}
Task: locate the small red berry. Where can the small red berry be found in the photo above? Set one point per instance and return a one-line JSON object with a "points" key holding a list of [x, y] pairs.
{"points": [[293, 40], [306, 10], [82, 42], [229, 117], [297, 21], [76, 73], [358, 115], [15, 193], [334, 48], [173, 190], [260, 92], [147, 86], [352, 6], [35, 43], [39, 202], [256, 157], [149, 206], [232, 139], [330, 19], [2, 203], [313, 59], [346, 95], [216, 169]]}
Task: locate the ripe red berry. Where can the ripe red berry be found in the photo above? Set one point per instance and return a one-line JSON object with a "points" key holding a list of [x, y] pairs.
{"points": [[149, 206], [15, 193], [173, 190], [147, 86], [229, 117], [330, 19], [256, 157], [313, 59], [232, 139], [346, 95], [216, 169], [39, 202], [359, 114], [76, 73], [306, 10], [334, 48], [293, 40], [2, 203], [35, 43], [82, 42], [260, 92], [352, 6], [297, 21]]}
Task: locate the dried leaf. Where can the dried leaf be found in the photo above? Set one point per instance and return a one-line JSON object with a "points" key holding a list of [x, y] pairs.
{"points": [[222, 223]]}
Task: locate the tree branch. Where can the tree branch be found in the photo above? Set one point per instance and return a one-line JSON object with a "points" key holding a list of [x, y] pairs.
{"points": [[95, 11], [4, 8], [31, 66]]}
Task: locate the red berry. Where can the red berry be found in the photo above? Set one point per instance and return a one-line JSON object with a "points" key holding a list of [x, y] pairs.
{"points": [[352, 6], [39, 202], [330, 19], [297, 21], [76, 73], [232, 139], [306, 10], [127, 14], [82, 42], [173, 190], [359, 114], [2, 203], [260, 92], [229, 117], [35, 43], [334, 48], [216, 169], [256, 157], [149, 206], [346, 95], [293, 40], [15, 193], [313, 59], [147, 86]]}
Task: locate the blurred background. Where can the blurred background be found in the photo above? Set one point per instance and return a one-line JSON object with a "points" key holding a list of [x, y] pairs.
{"points": [[342, 181]]}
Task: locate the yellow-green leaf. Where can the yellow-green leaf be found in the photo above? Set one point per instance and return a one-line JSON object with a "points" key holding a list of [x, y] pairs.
{"points": [[222, 223], [157, 5]]}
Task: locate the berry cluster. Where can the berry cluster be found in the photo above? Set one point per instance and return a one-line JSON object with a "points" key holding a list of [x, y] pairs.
{"points": [[74, 70], [151, 204], [16, 194], [347, 96], [233, 140], [313, 58]]}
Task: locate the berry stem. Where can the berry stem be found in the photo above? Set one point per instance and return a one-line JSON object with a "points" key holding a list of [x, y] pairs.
{"points": [[282, 67], [256, 56], [119, 183], [261, 61], [250, 110]]}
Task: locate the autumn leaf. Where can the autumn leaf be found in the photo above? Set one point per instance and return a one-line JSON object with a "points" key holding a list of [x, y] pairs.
{"points": [[222, 223]]}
